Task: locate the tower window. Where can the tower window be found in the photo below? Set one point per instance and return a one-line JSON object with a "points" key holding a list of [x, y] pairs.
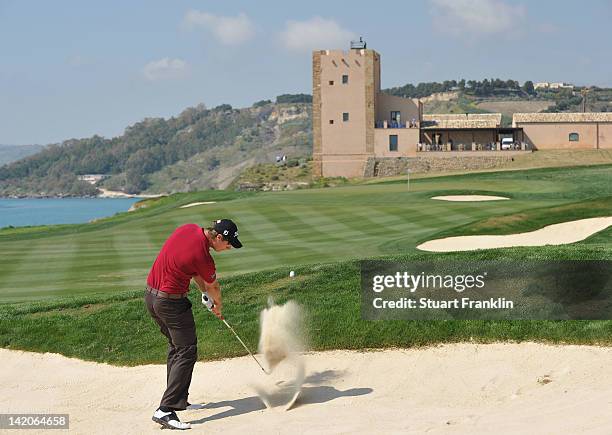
{"points": [[345, 116], [392, 142], [344, 79], [331, 121], [331, 82], [574, 137], [396, 118]]}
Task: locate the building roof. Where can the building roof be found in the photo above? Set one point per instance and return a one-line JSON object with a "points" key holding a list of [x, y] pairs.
{"points": [[563, 117], [463, 120]]}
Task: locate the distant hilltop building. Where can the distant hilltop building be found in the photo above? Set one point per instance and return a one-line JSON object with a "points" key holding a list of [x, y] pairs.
{"points": [[548, 85], [358, 130], [93, 178]]}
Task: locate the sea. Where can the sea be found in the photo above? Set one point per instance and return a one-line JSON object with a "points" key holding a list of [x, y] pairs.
{"points": [[48, 211]]}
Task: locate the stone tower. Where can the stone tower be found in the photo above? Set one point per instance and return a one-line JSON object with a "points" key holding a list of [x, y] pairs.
{"points": [[345, 87]]}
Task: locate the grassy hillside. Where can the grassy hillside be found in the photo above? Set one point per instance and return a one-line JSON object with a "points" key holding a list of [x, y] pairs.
{"points": [[298, 173], [564, 100], [462, 104], [286, 131], [509, 107]]}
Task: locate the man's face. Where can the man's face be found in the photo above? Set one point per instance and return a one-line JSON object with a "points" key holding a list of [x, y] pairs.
{"points": [[219, 244]]}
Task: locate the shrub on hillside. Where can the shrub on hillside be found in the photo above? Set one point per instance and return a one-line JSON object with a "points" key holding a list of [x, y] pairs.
{"points": [[293, 162], [261, 103], [294, 98]]}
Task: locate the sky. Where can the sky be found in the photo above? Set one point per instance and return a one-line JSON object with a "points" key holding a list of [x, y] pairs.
{"points": [[72, 69]]}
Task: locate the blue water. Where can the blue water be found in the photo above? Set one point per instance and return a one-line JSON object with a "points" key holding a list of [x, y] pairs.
{"points": [[24, 212]]}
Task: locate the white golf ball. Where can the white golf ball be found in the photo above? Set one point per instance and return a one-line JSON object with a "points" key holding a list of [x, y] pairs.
{"points": [[291, 274]]}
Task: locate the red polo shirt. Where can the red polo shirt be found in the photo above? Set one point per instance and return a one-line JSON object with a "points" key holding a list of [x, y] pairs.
{"points": [[183, 256]]}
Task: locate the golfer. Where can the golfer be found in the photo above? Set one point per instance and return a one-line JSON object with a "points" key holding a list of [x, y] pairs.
{"points": [[185, 255]]}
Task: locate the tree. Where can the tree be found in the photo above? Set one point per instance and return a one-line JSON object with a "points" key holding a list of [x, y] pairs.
{"points": [[528, 87], [223, 108]]}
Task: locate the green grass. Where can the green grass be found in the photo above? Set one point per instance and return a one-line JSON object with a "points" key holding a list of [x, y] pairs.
{"points": [[117, 329], [530, 220], [76, 289], [288, 229]]}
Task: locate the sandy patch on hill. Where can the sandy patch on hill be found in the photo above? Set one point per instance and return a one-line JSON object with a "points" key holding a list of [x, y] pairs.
{"points": [[557, 234], [458, 389], [193, 204], [105, 193], [467, 198]]}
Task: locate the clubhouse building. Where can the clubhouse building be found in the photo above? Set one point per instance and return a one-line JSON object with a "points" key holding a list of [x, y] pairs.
{"points": [[357, 129]]}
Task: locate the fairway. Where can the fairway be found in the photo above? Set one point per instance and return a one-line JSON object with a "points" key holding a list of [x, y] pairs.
{"points": [[294, 228]]}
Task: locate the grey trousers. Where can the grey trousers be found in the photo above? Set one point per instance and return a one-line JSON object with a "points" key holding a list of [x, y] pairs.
{"points": [[175, 320]]}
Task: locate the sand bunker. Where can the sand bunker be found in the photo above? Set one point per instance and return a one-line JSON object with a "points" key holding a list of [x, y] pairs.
{"points": [[458, 389], [469, 198], [281, 343], [281, 389], [557, 234], [193, 204]]}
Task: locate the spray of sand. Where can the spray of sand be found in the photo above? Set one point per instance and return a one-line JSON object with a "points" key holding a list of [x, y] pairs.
{"points": [[281, 343], [281, 332]]}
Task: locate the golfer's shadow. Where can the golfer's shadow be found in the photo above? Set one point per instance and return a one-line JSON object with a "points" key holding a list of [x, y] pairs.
{"points": [[322, 394], [308, 396]]}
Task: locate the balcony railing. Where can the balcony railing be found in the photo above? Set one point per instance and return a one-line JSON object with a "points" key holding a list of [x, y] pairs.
{"points": [[517, 146], [395, 124]]}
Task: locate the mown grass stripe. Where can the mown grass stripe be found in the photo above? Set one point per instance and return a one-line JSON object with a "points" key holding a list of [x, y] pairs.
{"points": [[325, 222], [95, 265], [12, 256], [294, 227], [259, 250], [283, 230], [47, 265]]}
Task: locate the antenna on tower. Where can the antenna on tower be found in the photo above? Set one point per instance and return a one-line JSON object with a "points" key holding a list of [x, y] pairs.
{"points": [[358, 45]]}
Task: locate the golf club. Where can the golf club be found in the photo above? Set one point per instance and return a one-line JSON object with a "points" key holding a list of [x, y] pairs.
{"points": [[207, 300], [244, 345]]}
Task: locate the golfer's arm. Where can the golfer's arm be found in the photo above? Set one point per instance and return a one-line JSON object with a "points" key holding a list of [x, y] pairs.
{"points": [[213, 289]]}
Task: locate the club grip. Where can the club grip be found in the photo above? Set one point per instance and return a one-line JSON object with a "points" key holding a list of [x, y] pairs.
{"points": [[208, 301]]}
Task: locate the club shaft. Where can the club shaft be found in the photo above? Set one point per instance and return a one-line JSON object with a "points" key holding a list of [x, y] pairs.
{"points": [[244, 345]]}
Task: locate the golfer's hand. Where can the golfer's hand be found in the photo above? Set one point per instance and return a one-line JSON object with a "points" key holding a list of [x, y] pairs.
{"points": [[216, 309]]}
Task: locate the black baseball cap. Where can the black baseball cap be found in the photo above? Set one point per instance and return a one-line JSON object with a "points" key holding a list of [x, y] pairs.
{"points": [[228, 229]]}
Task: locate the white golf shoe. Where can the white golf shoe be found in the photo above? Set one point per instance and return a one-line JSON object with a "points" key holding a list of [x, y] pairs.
{"points": [[169, 420]]}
